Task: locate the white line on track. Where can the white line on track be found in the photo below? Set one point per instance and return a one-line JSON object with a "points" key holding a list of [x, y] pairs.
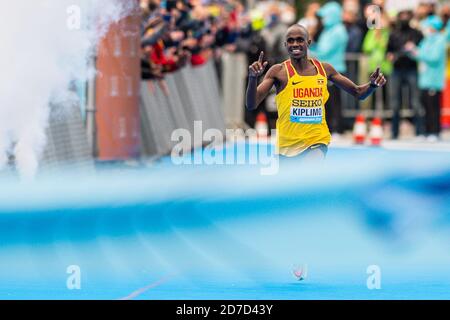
{"points": [[140, 291]]}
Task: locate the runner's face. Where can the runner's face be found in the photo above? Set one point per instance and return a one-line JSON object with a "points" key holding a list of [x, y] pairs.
{"points": [[297, 43]]}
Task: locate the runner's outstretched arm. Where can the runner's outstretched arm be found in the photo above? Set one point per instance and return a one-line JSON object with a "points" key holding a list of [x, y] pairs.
{"points": [[361, 92], [255, 94]]}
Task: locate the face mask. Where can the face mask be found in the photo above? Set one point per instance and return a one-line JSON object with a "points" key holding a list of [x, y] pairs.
{"points": [[273, 19], [404, 24]]}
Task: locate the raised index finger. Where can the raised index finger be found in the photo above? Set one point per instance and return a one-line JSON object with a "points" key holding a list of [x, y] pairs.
{"points": [[261, 57], [377, 72]]}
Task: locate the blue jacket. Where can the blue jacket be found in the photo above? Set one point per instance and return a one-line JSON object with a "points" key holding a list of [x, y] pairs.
{"points": [[333, 40], [447, 32], [432, 59]]}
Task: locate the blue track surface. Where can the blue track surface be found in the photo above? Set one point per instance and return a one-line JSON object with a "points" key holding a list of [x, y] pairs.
{"points": [[228, 232]]}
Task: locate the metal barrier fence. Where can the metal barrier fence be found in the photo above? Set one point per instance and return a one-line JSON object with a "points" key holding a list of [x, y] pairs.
{"points": [[188, 95], [191, 94], [67, 141], [234, 73], [377, 105]]}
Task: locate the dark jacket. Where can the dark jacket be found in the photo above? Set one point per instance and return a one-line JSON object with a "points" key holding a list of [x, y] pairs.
{"points": [[397, 40]]}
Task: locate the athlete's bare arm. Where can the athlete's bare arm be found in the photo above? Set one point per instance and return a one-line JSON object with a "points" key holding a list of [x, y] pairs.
{"points": [[361, 92], [257, 93]]}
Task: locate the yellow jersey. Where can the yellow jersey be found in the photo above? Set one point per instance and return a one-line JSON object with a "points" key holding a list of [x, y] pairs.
{"points": [[301, 111]]}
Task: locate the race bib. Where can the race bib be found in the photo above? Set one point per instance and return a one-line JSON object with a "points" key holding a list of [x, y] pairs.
{"points": [[308, 115]]}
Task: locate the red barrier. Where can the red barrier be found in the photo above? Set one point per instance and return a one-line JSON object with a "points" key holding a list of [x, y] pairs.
{"points": [[117, 90], [445, 111]]}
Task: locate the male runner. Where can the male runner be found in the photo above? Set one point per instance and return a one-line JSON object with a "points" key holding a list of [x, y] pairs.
{"points": [[301, 85]]}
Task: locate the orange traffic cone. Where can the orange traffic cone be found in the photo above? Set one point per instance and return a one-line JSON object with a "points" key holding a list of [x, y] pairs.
{"points": [[261, 125], [359, 130], [376, 132]]}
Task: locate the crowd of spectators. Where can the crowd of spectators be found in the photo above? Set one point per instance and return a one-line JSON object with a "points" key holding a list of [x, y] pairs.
{"points": [[178, 32]]}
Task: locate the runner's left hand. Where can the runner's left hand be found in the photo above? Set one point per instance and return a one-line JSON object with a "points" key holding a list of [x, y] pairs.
{"points": [[377, 78]]}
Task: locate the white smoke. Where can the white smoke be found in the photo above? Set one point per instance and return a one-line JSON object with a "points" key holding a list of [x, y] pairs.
{"points": [[46, 44]]}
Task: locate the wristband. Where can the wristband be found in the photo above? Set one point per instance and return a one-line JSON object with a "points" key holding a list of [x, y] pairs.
{"points": [[373, 85]]}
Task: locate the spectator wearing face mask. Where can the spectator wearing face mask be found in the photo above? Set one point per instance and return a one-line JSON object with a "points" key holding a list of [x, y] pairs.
{"points": [[273, 35], [404, 72], [432, 59]]}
